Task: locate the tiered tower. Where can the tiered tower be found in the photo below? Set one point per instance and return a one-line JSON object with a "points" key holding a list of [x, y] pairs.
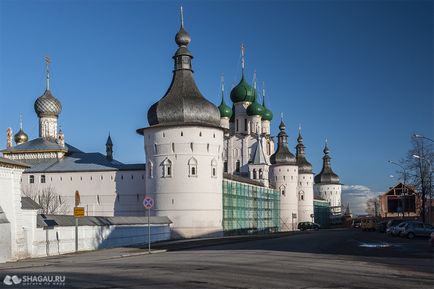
{"points": [[183, 146], [284, 176], [305, 183], [327, 185]]}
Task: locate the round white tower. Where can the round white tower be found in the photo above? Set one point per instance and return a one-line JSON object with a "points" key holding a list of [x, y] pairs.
{"points": [[327, 185], [284, 177], [305, 183], [183, 147]]}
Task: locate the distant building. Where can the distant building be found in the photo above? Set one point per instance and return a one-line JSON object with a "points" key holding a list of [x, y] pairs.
{"points": [[401, 201]]}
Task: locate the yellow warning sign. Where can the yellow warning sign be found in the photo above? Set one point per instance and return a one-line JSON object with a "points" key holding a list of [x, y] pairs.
{"points": [[79, 212]]}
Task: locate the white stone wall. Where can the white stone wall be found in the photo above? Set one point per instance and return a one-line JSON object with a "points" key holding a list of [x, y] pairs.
{"points": [[331, 193], [61, 240], [48, 127], [284, 178], [266, 127], [224, 122], [305, 197], [254, 124], [102, 193], [193, 202], [241, 124]]}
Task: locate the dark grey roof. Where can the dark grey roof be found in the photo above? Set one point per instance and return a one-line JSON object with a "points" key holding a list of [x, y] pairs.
{"points": [[183, 102], [82, 162], [28, 204], [47, 105], [9, 162], [326, 176], [69, 220], [282, 156], [3, 218], [41, 144], [304, 167]]}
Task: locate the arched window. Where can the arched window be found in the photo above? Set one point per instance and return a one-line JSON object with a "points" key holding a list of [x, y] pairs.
{"points": [[214, 168], [237, 167], [245, 124], [31, 179], [254, 174], [261, 174], [192, 167], [166, 168], [282, 190], [42, 179], [225, 166], [301, 196]]}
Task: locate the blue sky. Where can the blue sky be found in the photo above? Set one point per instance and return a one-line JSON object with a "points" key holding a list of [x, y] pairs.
{"points": [[359, 73]]}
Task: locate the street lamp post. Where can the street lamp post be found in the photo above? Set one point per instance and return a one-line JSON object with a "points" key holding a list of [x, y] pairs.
{"points": [[404, 189], [424, 137], [430, 185]]}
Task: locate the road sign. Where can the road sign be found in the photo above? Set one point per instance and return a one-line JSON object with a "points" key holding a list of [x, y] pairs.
{"points": [[78, 212], [77, 198], [294, 216], [148, 202]]}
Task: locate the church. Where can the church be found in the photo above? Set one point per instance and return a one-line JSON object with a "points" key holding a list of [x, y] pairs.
{"points": [[212, 170]]}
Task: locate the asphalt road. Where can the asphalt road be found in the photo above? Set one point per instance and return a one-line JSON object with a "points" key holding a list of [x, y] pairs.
{"points": [[324, 259]]}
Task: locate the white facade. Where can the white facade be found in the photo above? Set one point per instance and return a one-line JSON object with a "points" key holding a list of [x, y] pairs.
{"points": [[284, 178], [102, 193], [331, 193], [305, 197], [184, 175]]}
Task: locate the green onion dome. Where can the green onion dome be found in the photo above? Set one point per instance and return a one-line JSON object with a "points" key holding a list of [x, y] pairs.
{"points": [[255, 109], [225, 110], [243, 92], [267, 114]]}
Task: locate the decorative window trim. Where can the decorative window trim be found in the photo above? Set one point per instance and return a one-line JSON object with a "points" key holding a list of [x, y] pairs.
{"points": [[192, 167], [167, 168]]}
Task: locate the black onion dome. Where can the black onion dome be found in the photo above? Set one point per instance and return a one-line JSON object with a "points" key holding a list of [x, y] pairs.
{"points": [[47, 105], [183, 102], [327, 176], [304, 167], [282, 156]]}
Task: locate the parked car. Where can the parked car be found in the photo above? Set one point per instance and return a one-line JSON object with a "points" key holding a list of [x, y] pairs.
{"points": [[381, 226], [391, 224], [308, 226], [416, 229], [396, 230], [368, 224], [356, 223]]}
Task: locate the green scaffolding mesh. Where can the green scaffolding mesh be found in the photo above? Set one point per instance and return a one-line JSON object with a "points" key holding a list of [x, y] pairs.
{"points": [[249, 208]]}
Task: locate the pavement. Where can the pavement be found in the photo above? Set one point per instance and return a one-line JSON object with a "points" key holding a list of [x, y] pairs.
{"points": [[341, 258]]}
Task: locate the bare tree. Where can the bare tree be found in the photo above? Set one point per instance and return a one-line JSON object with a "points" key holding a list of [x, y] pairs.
{"points": [[373, 206], [418, 166], [50, 201]]}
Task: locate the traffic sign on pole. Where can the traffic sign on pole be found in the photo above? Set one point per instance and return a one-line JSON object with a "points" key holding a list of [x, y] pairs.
{"points": [[148, 203]]}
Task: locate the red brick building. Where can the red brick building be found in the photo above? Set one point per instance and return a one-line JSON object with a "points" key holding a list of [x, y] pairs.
{"points": [[401, 201]]}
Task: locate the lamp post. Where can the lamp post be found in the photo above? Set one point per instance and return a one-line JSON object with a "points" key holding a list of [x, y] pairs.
{"points": [[404, 185], [424, 137], [430, 185]]}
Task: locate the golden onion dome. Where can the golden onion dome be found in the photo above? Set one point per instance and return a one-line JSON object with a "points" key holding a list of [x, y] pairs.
{"points": [[21, 137]]}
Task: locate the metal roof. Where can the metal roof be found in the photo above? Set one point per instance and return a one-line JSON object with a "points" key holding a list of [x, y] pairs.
{"points": [[28, 204], [259, 157], [40, 144], [69, 220], [82, 162]]}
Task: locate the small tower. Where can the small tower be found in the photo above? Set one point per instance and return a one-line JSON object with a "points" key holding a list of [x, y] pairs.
{"points": [[48, 108], [254, 112], [242, 95], [284, 175], [267, 115], [327, 185], [61, 138], [21, 137], [183, 148], [305, 183], [225, 110], [258, 167], [109, 148], [8, 138]]}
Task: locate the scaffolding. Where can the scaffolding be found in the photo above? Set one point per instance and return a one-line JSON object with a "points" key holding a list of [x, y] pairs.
{"points": [[249, 209]]}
